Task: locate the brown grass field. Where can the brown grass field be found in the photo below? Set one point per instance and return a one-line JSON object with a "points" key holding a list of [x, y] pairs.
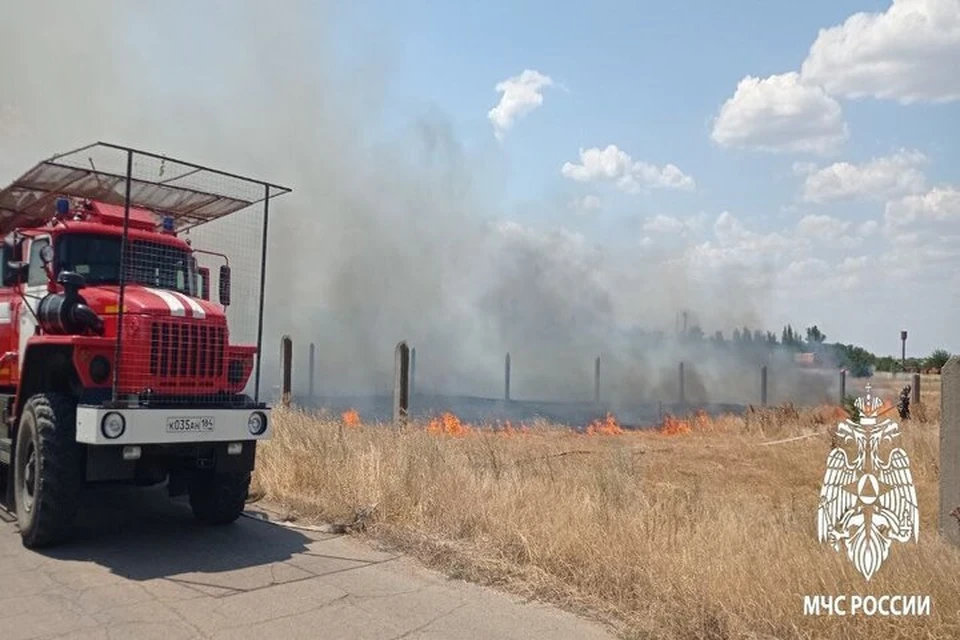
{"points": [[702, 529]]}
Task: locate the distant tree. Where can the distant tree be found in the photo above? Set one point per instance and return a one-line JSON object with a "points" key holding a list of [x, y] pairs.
{"points": [[937, 359], [758, 336], [717, 338], [771, 338], [815, 336], [736, 335], [858, 362], [695, 333]]}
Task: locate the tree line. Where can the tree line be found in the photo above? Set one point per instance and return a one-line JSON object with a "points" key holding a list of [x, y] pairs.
{"points": [[858, 361]]}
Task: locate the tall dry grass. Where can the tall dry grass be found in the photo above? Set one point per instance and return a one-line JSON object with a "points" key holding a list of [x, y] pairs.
{"points": [[709, 533]]}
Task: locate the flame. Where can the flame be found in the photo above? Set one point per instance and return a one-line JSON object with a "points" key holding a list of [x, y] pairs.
{"points": [[674, 426], [608, 426], [351, 418], [507, 430], [449, 424], [700, 421]]}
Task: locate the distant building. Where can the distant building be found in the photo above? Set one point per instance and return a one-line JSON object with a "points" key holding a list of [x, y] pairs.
{"points": [[805, 359]]}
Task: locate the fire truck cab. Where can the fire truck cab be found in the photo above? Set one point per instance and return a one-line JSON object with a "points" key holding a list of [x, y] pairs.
{"points": [[115, 364]]}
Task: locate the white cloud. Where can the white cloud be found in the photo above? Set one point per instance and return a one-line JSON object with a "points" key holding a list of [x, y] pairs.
{"points": [[820, 226], [827, 232], [586, 204], [940, 204], [868, 228], [879, 179], [779, 113], [631, 176], [923, 231], [521, 95], [664, 224], [908, 53]]}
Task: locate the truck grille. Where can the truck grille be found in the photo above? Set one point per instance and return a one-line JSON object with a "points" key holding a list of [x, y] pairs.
{"points": [[187, 351]]}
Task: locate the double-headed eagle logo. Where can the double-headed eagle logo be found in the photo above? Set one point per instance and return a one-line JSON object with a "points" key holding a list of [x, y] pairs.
{"points": [[867, 502]]}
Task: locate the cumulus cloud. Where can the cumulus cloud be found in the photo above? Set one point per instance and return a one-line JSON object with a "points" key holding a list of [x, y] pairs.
{"points": [[521, 95], [779, 113], [924, 235], [820, 226], [827, 231], [940, 204], [615, 165], [907, 53], [879, 179], [783, 260]]}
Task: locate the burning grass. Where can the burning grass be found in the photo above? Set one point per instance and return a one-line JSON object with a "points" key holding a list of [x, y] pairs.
{"points": [[700, 529]]}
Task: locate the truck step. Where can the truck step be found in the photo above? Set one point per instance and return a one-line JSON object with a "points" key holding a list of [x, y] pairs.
{"points": [[5, 447]]}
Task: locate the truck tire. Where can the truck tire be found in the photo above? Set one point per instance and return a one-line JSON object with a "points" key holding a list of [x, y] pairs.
{"points": [[48, 469], [218, 498]]}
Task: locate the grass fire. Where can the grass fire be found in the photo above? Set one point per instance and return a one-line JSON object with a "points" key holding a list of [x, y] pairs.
{"points": [[699, 527]]}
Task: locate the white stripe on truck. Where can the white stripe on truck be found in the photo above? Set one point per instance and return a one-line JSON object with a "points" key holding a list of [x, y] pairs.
{"points": [[197, 310], [175, 306]]}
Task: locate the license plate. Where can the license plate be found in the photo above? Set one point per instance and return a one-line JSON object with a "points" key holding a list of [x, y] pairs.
{"points": [[190, 424]]}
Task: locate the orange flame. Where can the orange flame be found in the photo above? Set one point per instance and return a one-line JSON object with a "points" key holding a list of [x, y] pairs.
{"points": [[449, 424], [700, 421], [351, 418], [608, 426], [674, 426], [507, 430]]}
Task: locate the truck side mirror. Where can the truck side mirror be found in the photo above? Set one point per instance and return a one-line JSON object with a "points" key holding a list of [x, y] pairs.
{"points": [[225, 285], [15, 273], [204, 273]]}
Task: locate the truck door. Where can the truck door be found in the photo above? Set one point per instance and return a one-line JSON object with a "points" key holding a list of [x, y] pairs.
{"points": [[34, 291], [8, 344]]}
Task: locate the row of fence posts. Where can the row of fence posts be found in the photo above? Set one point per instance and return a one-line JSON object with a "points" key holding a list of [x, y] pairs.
{"points": [[405, 363], [949, 507]]}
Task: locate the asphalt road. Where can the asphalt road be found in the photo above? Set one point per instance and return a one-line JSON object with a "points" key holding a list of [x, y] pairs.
{"points": [[140, 568]]}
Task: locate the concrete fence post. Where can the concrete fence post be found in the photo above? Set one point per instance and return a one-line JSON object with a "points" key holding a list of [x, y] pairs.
{"points": [[506, 377], [596, 381], [683, 394], [311, 370], [915, 390], [401, 384], [948, 523], [286, 365], [413, 369], [843, 386], [763, 386]]}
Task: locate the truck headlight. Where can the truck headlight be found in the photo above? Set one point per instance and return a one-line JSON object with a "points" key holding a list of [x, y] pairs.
{"points": [[257, 423], [113, 425]]}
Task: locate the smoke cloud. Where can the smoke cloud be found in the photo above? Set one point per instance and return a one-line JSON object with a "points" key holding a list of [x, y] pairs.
{"points": [[389, 234]]}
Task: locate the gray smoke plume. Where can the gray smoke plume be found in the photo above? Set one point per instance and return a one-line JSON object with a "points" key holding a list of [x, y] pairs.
{"points": [[385, 237]]}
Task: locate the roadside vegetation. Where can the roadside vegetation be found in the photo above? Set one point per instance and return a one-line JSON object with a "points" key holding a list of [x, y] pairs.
{"points": [[696, 528]]}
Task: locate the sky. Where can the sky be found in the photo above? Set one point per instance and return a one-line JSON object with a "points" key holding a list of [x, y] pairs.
{"points": [[816, 141], [755, 163]]}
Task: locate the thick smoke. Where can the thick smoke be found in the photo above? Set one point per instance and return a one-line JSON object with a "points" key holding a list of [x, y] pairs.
{"points": [[390, 233]]}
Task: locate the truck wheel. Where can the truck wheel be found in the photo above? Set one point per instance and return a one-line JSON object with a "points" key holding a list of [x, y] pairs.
{"points": [[218, 498], [48, 469]]}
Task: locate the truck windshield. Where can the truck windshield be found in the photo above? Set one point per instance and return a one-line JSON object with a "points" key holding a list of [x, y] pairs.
{"points": [[152, 264]]}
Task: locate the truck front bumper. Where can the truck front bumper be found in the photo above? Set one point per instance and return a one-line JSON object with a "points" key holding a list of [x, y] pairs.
{"points": [[158, 425]]}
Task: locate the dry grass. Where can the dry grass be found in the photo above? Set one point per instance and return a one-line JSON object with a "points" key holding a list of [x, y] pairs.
{"points": [[701, 534]]}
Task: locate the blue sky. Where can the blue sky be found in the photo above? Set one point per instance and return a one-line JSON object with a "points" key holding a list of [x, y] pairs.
{"points": [[651, 77], [800, 159]]}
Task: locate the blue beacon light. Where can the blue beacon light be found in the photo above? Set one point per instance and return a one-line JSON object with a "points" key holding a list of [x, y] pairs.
{"points": [[63, 207], [168, 225]]}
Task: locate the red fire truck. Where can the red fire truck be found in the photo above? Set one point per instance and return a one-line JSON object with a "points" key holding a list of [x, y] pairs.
{"points": [[115, 364]]}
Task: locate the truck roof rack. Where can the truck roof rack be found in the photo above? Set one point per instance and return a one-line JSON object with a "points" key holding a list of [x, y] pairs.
{"points": [[188, 193]]}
